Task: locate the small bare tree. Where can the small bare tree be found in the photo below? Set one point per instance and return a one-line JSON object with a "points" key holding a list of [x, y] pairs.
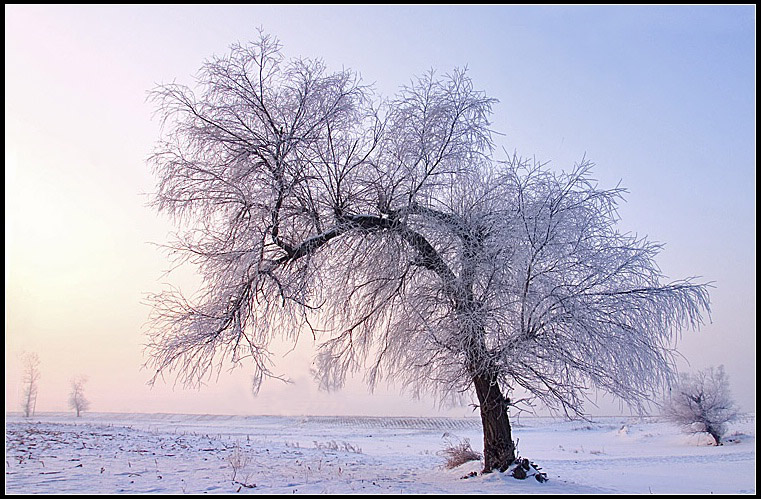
{"points": [[386, 229], [31, 381], [701, 403], [77, 400]]}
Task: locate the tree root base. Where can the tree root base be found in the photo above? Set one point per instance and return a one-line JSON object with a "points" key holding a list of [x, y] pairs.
{"points": [[520, 468]]}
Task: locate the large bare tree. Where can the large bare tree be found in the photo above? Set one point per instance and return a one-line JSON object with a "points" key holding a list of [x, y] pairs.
{"points": [[386, 230]]}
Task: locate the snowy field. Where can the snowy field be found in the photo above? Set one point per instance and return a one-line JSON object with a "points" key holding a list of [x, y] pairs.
{"points": [[105, 453]]}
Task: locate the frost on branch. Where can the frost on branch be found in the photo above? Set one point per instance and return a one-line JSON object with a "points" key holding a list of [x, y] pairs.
{"points": [[386, 231]]}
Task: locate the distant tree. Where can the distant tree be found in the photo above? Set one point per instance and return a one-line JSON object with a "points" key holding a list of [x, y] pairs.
{"points": [[386, 229], [701, 403], [31, 378], [77, 400]]}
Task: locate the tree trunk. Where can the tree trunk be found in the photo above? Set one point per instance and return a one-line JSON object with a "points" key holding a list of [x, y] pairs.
{"points": [[499, 448], [715, 434]]}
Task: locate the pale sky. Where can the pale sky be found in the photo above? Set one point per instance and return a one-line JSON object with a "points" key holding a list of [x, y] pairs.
{"points": [[659, 98]]}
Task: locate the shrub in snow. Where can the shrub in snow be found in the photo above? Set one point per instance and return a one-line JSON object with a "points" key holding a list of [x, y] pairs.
{"points": [[459, 453], [332, 445], [701, 403], [238, 461]]}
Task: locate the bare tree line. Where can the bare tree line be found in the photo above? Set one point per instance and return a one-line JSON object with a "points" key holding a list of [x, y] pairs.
{"points": [[30, 387]]}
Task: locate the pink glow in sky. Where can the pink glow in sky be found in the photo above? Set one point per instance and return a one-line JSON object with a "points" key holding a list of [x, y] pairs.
{"points": [[660, 98]]}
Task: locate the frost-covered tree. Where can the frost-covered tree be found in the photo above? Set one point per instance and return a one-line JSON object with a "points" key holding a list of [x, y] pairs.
{"points": [[702, 403], [386, 230], [77, 399], [31, 380]]}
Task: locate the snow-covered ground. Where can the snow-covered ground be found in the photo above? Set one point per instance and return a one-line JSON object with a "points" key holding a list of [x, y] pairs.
{"points": [[168, 453]]}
